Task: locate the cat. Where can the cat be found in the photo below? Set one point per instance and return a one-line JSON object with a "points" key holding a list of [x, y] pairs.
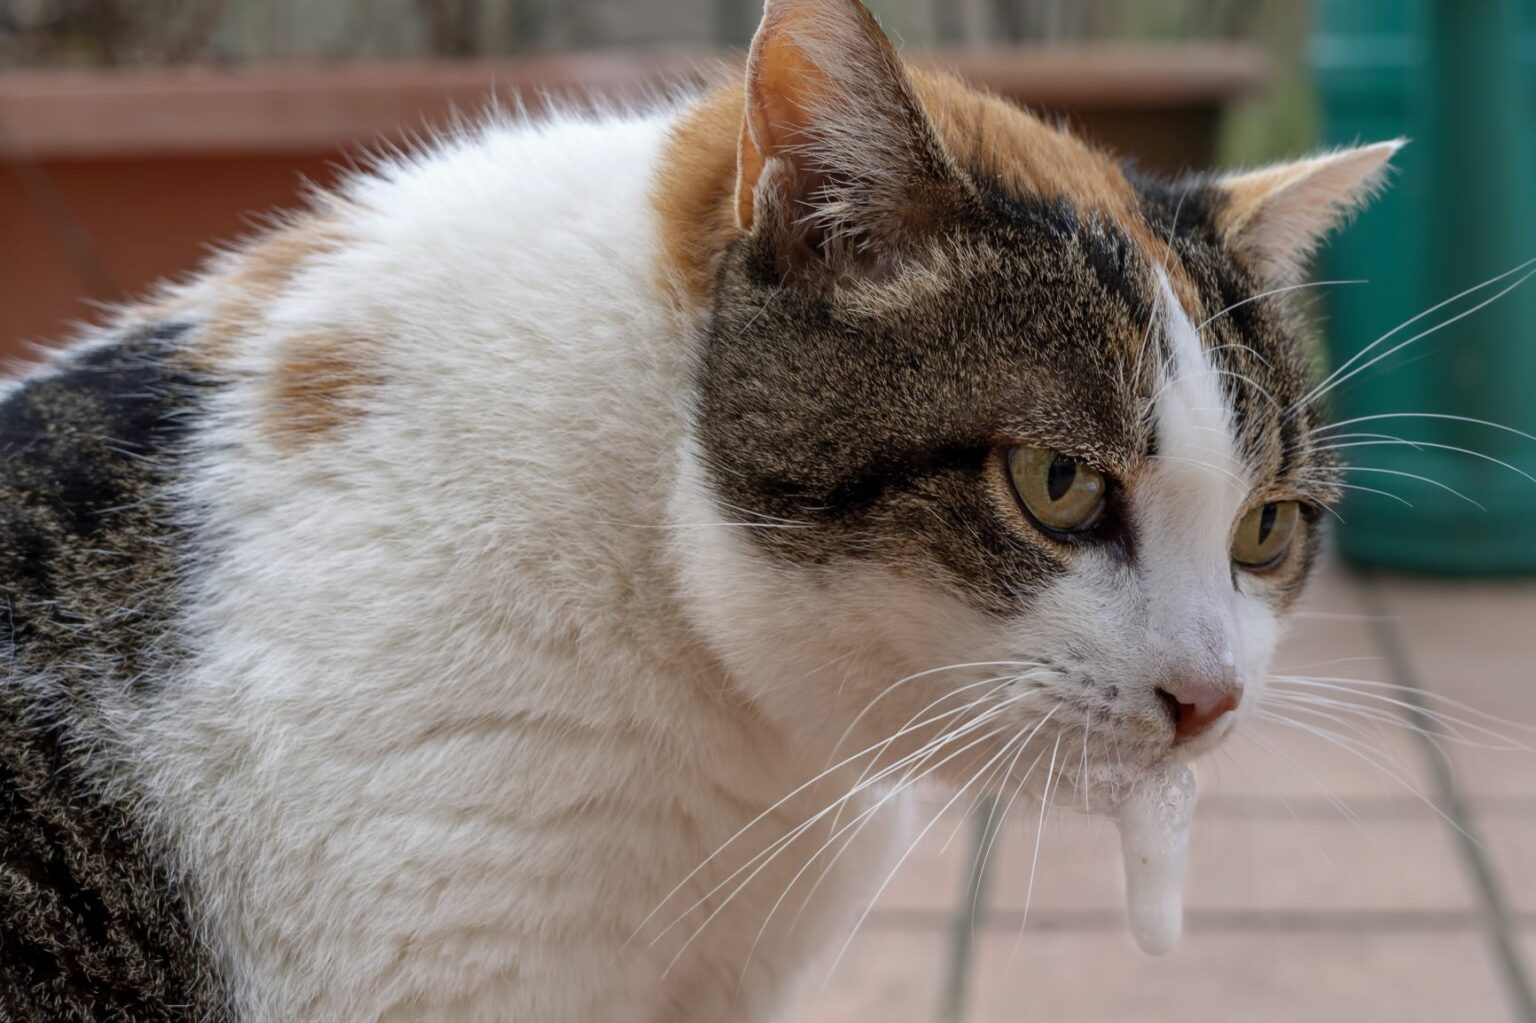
{"points": [[525, 584]]}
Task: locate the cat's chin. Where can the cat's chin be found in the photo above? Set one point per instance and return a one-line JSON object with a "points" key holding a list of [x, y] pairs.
{"points": [[1109, 784], [1105, 786]]}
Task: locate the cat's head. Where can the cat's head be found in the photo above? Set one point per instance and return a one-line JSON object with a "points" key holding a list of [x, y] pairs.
{"points": [[998, 437]]}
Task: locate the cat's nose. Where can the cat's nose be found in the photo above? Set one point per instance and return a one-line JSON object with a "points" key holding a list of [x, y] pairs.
{"points": [[1197, 702]]}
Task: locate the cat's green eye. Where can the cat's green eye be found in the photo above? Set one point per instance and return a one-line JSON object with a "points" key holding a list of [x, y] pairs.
{"points": [[1265, 534], [1059, 491]]}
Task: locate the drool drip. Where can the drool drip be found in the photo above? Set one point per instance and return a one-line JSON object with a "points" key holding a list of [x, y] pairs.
{"points": [[1154, 841]]}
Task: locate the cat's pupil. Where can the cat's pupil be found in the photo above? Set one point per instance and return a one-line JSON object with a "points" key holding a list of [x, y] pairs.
{"points": [[1267, 521], [1059, 477]]}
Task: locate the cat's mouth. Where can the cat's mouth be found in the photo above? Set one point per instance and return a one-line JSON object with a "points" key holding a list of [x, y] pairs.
{"points": [[1117, 762]]}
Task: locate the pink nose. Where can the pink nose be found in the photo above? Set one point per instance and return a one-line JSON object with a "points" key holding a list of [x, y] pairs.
{"points": [[1195, 705]]}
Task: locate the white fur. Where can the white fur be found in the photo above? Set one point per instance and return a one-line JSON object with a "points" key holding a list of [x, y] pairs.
{"points": [[487, 674], [451, 739]]}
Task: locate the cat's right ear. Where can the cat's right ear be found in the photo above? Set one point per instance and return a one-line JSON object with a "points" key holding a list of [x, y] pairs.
{"points": [[838, 162], [1275, 217]]}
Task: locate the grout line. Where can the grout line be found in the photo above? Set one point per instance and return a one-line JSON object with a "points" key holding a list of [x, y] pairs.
{"points": [[1390, 922], [1499, 924], [955, 992]]}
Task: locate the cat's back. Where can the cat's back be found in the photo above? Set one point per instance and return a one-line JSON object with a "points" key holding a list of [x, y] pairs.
{"points": [[293, 485], [94, 926]]}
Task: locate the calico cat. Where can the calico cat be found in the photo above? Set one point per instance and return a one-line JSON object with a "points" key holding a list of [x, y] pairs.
{"points": [[523, 586]]}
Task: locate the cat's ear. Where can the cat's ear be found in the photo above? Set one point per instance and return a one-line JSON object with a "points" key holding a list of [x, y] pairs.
{"points": [[838, 162], [1275, 217]]}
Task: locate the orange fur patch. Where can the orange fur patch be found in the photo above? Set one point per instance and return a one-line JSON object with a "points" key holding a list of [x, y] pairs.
{"points": [[695, 194], [988, 134], [318, 376], [695, 198], [316, 385], [255, 277]]}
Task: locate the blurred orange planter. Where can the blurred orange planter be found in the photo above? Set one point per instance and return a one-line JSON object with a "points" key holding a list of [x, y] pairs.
{"points": [[118, 178]]}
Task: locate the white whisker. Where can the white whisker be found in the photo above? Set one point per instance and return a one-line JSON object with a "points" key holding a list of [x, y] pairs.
{"points": [[1002, 820], [903, 858], [1045, 804], [1336, 437], [845, 762], [779, 845], [1336, 379], [1280, 681], [1345, 810], [1004, 682], [1266, 294], [1422, 444], [1351, 747], [1331, 709], [923, 674], [1328, 427], [1413, 476]]}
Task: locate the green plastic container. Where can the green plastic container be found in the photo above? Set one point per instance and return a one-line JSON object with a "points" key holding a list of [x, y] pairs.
{"points": [[1457, 77]]}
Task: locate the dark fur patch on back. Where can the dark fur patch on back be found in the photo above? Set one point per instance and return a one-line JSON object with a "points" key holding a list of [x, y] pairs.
{"points": [[94, 927]]}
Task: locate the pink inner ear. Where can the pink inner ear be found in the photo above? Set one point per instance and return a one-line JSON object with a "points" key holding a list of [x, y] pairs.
{"points": [[830, 116], [1278, 215], [783, 87]]}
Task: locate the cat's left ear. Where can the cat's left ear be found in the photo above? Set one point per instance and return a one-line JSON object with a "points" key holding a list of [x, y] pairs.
{"points": [[839, 165], [1275, 217]]}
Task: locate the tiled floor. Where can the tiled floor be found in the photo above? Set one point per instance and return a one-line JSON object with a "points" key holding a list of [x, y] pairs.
{"points": [[1325, 884]]}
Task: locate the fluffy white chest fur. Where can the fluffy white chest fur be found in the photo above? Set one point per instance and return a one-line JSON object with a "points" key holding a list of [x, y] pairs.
{"points": [[450, 741]]}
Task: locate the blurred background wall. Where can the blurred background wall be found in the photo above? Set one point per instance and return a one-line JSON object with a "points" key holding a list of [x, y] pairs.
{"points": [[134, 132]]}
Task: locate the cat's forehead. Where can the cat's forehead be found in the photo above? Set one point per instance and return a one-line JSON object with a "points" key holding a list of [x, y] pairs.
{"points": [[1045, 322], [1250, 332], [1084, 212], [1014, 153], [1090, 313], [1051, 322]]}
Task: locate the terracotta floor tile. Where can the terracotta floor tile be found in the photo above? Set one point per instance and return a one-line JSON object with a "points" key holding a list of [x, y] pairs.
{"points": [[1281, 977], [1265, 864], [932, 878], [1476, 643], [890, 977], [1510, 842]]}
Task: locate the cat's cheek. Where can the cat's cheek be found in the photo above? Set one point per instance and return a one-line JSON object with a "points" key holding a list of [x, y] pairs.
{"points": [[1259, 628], [813, 646]]}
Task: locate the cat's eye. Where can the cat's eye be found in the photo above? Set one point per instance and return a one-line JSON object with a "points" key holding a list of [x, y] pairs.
{"points": [[1265, 534], [1061, 493]]}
